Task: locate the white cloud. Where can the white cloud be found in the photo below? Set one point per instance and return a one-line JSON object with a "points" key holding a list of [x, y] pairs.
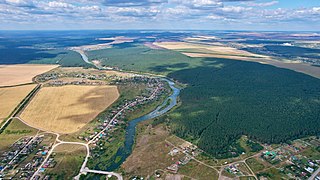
{"points": [[152, 12], [235, 9], [264, 4]]}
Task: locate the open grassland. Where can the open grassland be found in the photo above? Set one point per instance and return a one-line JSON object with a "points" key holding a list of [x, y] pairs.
{"points": [[66, 109], [150, 152], [197, 170], [21, 74], [13, 132], [11, 97], [69, 159]]}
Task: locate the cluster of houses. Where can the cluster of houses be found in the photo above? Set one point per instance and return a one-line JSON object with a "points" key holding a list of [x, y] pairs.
{"points": [[186, 148], [55, 75], [233, 169], [301, 167], [75, 82], [17, 163], [14, 150], [298, 166]]}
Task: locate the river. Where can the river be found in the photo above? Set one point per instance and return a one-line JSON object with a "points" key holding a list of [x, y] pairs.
{"points": [[125, 151]]}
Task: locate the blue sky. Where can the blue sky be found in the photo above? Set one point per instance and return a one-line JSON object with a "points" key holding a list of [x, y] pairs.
{"points": [[160, 14]]}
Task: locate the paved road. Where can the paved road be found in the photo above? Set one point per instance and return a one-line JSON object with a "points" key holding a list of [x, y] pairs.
{"points": [[104, 172], [314, 175], [60, 142]]}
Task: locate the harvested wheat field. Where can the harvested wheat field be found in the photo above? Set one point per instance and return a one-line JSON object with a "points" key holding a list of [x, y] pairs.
{"points": [[201, 50], [67, 109], [11, 97], [21, 73], [218, 50]]}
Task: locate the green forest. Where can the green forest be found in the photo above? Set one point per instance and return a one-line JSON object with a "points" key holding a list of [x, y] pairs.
{"points": [[144, 59], [225, 99]]}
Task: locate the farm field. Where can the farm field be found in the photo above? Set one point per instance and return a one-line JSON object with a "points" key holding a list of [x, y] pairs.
{"points": [[21, 73], [218, 50], [11, 97], [67, 109]]}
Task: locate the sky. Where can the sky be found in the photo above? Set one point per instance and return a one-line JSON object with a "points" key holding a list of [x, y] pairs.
{"points": [[277, 15]]}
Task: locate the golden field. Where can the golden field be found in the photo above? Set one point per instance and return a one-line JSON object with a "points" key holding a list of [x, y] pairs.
{"points": [[67, 109], [21, 73], [205, 50], [218, 50], [11, 97]]}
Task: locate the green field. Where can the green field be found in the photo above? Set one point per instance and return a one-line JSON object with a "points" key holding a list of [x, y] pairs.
{"points": [[255, 165], [69, 162], [198, 171], [14, 131], [311, 152], [273, 173]]}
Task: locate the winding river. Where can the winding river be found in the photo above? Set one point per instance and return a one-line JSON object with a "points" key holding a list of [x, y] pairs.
{"points": [[126, 150]]}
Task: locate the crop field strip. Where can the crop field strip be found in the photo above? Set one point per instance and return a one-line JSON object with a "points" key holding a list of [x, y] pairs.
{"points": [[68, 108], [11, 75], [11, 98]]}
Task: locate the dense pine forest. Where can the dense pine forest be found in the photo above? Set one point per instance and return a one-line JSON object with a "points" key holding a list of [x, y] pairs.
{"points": [[225, 99]]}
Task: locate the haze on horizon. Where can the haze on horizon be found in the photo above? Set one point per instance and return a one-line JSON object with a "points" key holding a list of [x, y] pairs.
{"points": [[160, 14]]}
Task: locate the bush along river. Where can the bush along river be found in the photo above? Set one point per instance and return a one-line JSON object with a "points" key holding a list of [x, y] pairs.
{"points": [[126, 150]]}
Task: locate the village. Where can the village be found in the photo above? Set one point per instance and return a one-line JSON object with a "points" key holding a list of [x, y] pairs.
{"points": [[189, 151], [297, 160], [28, 157], [117, 114], [23, 157]]}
